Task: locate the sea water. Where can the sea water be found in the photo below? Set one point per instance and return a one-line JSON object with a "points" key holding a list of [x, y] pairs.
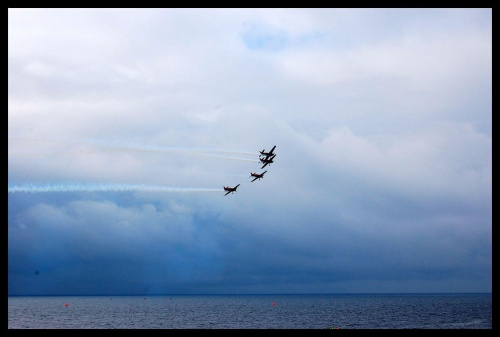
{"points": [[352, 311]]}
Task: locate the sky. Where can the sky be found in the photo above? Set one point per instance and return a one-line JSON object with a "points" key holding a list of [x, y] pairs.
{"points": [[125, 124]]}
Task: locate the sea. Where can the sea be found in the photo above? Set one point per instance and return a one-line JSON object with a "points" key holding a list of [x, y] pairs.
{"points": [[336, 311]]}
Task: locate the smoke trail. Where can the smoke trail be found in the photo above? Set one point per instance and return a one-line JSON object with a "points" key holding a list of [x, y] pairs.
{"points": [[201, 153], [38, 188], [121, 147]]}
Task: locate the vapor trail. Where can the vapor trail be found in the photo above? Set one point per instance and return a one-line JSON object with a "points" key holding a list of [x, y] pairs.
{"points": [[39, 188], [121, 147]]}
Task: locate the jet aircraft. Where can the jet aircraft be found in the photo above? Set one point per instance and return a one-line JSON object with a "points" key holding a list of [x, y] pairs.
{"points": [[230, 189], [267, 161], [257, 176], [267, 154]]}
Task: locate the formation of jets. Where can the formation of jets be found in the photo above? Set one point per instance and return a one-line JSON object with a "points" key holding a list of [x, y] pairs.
{"points": [[265, 158]]}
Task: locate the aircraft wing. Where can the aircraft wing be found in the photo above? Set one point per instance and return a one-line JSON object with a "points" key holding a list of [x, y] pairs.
{"points": [[255, 179], [227, 193]]}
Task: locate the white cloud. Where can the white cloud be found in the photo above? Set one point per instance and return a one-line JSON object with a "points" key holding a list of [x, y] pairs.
{"points": [[423, 72]]}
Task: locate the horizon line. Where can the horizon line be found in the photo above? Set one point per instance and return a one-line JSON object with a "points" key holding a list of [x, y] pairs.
{"points": [[266, 294]]}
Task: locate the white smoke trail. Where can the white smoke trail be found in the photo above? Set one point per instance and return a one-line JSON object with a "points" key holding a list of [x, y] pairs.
{"points": [[202, 153], [121, 147], [72, 187]]}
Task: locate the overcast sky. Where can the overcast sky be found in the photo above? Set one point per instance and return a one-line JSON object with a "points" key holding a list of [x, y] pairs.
{"points": [[125, 124]]}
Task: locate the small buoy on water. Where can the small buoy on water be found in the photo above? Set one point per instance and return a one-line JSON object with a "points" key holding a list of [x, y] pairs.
{"points": [[272, 304], [66, 304]]}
